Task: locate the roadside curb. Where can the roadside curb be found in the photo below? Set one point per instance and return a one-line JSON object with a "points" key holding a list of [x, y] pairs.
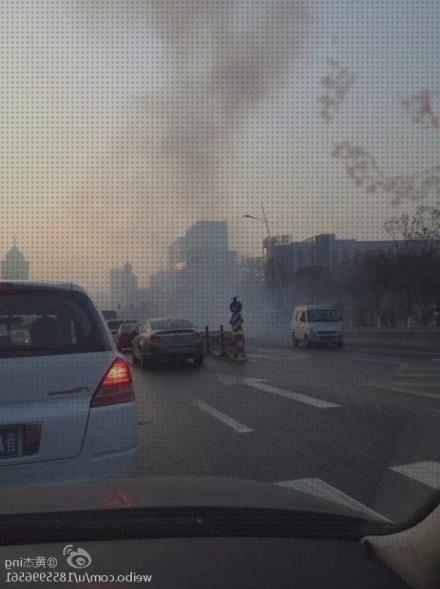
{"points": [[422, 354]]}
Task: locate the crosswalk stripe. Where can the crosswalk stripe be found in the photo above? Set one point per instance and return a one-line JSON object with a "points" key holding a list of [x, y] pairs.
{"points": [[427, 472], [240, 428], [319, 488]]}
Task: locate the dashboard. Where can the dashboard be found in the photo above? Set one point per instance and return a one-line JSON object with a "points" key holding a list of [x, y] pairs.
{"points": [[220, 562]]}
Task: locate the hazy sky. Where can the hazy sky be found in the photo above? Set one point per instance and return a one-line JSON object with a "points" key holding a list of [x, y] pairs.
{"points": [[124, 121]]}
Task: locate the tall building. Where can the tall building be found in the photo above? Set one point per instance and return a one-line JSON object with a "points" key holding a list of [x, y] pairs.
{"points": [[123, 287], [15, 266], [205, 244]]}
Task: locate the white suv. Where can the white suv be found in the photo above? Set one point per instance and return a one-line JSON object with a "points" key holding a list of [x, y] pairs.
{"points": [[67, 403]]}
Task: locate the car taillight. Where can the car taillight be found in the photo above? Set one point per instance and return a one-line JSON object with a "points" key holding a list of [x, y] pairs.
{"points": [[155, 338], [116, 386], [31, 438]]}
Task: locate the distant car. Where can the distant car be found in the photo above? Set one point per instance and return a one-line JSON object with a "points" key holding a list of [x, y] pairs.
{"points": [[109, 314], [125, 335], [67, 404], [115, 324], [20, 337], [161, 339]]}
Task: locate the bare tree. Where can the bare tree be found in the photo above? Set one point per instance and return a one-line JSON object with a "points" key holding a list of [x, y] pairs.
{"points": [[421, 109], [420, 231], [364, 169], [337, 85]]}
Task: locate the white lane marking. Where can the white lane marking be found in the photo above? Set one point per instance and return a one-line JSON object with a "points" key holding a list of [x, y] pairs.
{"points": [[427, 472], [228, 379], [267, 388], [264, 356], [259, 384], [240, 428], [319, 488], [374, 359]]}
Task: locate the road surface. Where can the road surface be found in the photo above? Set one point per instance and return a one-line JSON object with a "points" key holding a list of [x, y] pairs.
{"points": [[359, 428]]}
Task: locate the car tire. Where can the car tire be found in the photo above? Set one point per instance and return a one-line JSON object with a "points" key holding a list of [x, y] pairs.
{"points": [[294, 341], [307, 342], [144, 363], [199, 360]]}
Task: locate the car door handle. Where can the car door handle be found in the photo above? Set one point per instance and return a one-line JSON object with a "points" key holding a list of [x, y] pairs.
{"points": [[69, 391]]}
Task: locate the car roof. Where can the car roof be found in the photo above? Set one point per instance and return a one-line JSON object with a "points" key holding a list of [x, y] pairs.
{"points": [[55, 284], [167, 319], [314, 307]]}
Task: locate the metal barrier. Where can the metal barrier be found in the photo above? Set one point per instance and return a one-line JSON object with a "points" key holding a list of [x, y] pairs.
{"points": [[221, 343]]}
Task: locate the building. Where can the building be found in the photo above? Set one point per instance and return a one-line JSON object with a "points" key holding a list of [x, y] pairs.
{"points": [[123, 287], [289, 257], [204, 245], [201, 276], [15, 266]]}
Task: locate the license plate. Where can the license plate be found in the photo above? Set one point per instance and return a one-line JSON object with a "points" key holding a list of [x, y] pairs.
{"points": [[9, 441], [179, 349]]}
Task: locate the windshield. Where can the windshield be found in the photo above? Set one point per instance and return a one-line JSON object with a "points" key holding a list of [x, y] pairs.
{"points": [[316, 315], [220, 252]]}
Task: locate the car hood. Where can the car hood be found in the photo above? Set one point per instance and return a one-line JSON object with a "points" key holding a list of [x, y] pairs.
{"points": [[183, 491]]}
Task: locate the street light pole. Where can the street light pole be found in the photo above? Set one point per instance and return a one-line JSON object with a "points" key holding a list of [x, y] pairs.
{"points": [[264, 220]]}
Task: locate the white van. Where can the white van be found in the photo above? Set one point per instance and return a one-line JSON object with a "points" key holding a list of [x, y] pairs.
{"points": [[314, 324]]}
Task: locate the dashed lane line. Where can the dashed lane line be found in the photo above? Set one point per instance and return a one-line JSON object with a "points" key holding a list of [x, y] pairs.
{"points": [[426, 472], [319, 488], [238, 427]]}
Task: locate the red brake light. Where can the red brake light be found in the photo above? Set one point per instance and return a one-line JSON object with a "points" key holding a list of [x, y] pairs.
{"points": [[118, 373], [116, 386]]}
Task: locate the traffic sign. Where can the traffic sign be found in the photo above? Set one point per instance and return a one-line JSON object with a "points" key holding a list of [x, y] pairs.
{"points": [[235, 306]]}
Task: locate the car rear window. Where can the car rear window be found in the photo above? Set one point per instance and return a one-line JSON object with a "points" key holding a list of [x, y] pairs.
{"points": [[117, 323], [171, 324], [129, 326], [55, 322]]}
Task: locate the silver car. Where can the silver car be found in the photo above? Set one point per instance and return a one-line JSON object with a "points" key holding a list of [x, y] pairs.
{"points": [[162, 339], [67, 402]]}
